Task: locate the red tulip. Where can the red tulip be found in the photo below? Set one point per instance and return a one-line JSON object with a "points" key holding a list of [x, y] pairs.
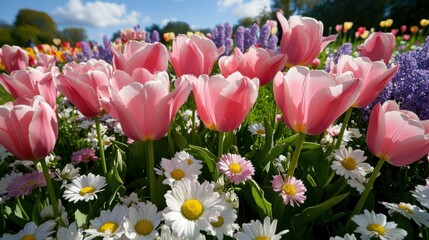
{"points": [[145, 110], [397, 136], [378, 46], [223, 103], [194, 55], [311, 100], [302, 39], [29, 83], [375, 76], [84, 85], [14, 58], [28, 128], [255, 63], [152, 56]]}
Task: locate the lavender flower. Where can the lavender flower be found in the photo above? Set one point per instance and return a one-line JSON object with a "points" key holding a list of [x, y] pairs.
{"points": [[272, 43], [105, 52], [264, 35], [86, 50], [155, 36], [221, 36], [239, 38], [254, 30], [410, 86], [148, 39], [247, 39]]}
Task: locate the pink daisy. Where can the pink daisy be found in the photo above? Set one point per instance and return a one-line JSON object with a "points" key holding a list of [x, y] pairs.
{"points": [[23, 185], [292, 191], [84, 155], [235, 168]]}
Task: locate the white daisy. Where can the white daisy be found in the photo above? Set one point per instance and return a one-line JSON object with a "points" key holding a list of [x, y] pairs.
{"points": [[48, 213], [109, 224], [32, 231], [142, 221], [84, 188], [279, 162], [350, 163], [346, 237], [130, 200], [421, 193], [68, 173], [257, 230], [257, 129], [185, 156], [166, 234], [191, 207], [176, 171], [371, 225], [409, 211], [5, 181], [70, 233], [356, 184], [225, 224]]}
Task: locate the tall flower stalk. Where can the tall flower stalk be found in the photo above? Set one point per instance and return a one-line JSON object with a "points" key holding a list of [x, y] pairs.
{"points": [[100, 144]]}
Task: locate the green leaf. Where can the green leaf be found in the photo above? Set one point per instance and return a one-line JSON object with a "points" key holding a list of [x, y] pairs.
{"points": [[311, 180], [310, 214], [119, 170], [255, 196], [202, 153], [261, 154], [179, 139], [80, 218], [311, 145], [273, 153]]}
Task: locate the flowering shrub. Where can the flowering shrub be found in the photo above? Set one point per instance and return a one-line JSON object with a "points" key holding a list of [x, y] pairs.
{"points": [[136, 149]]}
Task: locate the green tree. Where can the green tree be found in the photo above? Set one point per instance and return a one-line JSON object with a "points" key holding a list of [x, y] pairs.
{"points": [[176, 27], [40, 20], [74, 35]]}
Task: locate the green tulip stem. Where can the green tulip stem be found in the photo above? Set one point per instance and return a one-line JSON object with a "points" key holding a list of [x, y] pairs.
{"points": [[51, 191], [368, 187], [296, 153], [343, 127], [220, 148], [151, 171], [100, 145]]}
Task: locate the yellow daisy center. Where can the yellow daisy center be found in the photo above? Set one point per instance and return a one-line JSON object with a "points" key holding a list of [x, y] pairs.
{"points": [[192, 209], [406, 208], [218, 223], [189, 161], [376, 228], [144, 227], [349, 163], [177, 174], [111, 226], [86, 190], [235, 168], [29, 237], [289, 189], [261, 238], [260, 131]]}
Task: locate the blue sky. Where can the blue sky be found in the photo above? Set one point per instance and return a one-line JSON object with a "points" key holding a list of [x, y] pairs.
{"points": [[103, 17]]}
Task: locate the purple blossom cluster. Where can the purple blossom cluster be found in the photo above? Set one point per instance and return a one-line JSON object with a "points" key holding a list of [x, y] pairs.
{"points": [[222, 36], [255, 36], [410, 86], [345, 49]]}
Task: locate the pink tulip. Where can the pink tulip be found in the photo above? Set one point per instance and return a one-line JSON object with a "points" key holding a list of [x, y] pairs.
{"points": [[302, 39], [375, 76], [152, 56], [84, 85], [378, 46], [223, 103], [194, 55], [311, 100], [14, 58], [28, 128], [29, 83], [145, 110], [397, 136], [47, 63], [255, 63]]}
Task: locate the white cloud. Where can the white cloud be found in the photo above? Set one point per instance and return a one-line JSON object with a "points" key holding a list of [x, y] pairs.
{"points": [[94, 14], [164, 21], [147, 20], [242, 8]]}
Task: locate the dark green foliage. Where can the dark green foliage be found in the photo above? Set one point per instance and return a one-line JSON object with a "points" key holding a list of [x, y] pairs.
{"points": [[177, 27], [74, 35]]}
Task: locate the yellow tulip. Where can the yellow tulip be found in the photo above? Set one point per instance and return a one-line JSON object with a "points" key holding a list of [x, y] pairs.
{"points": [[365, 34], [424, 22], [383, 24], [389, 22], [348, 25]]}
